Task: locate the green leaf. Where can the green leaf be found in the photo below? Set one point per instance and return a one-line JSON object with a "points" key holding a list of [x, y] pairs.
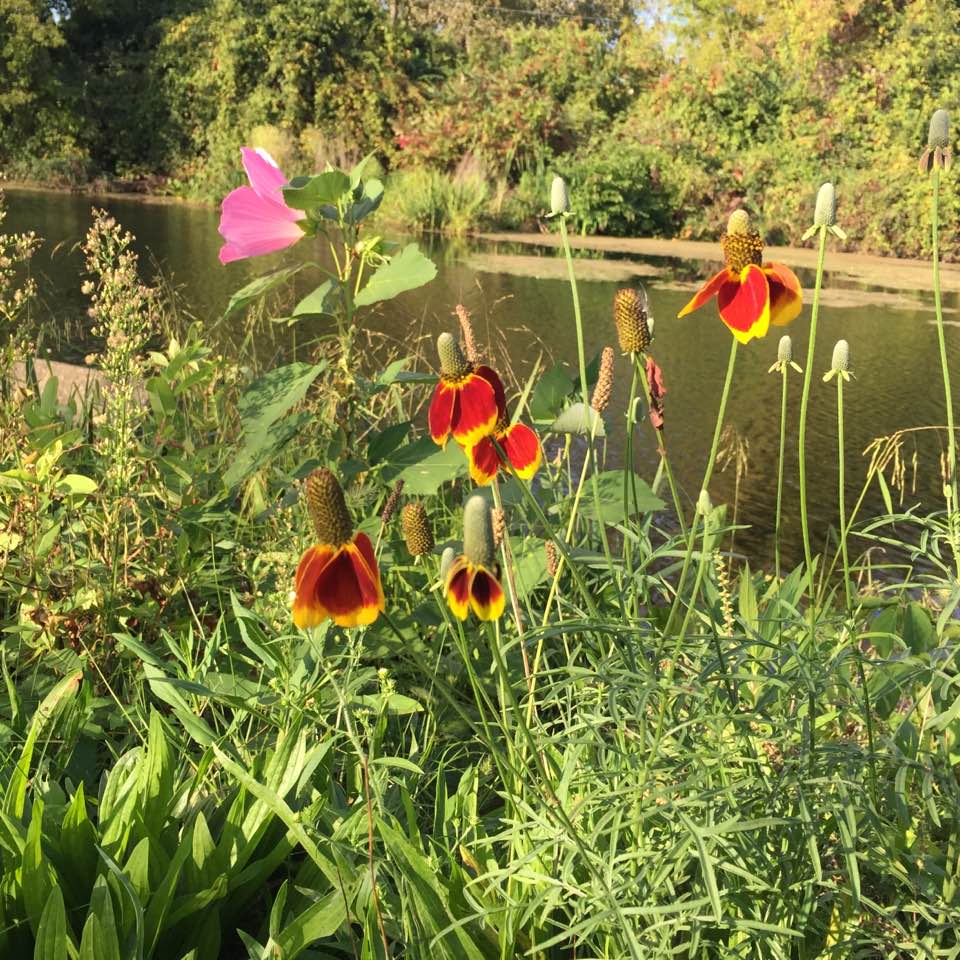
{"points": [[918, 632], [77, 847], [259, 288], [75, 484], [371, 198], [321, 919], [383, 443], [407, 270], [579, 419], [437, 468], [261, 446], [550, 394], [307, 193], [323, 301], [51, 942], [36, 875], [611, 498], [271, 396]]}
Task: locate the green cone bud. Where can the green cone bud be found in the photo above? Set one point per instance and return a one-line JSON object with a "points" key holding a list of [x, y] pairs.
{"points": [[785, 349], [452, 361], [559, 197], [739, 223], [825, 214], [939, 135], [446, 561], [704, 505], [841, 357], [478, 542]]}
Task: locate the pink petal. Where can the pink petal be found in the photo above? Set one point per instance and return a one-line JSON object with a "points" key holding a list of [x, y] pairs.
{"points": [[253, 225], [264, 175]]}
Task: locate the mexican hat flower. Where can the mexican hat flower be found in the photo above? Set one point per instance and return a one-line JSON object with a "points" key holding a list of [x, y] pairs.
{"points": [[750, 294], [338, 577], [468, 399], [254, 220], [472, 580], [520, 447]]}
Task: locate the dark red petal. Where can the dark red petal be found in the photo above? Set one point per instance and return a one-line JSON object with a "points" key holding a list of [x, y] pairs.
{"points": [[786, 295], [745, 308], [492, 377], [368, 573], [307, 609], [339, 590], [475, 413], [457, 587], [486, 595], [484, 461], [522, 448], [440, 416], [708, 290]]}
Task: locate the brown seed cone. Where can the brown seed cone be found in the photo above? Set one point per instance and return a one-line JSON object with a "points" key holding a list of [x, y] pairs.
{"points": [[499, 519], [630, 317], [328, 509], [739, 249], [466, 329], [416, 529], [390, 507], [604, 388], [550, 548]]}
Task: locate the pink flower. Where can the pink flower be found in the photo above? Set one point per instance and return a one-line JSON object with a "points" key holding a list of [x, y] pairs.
{"points": [[254, 220]]}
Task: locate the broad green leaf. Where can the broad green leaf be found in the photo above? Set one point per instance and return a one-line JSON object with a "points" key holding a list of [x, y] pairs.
{"points": [[749, 611], [610, 483], [259, 288], [370, 199], [261, 446], [51, 942], [156, 777], [321, 919], [434, 470], [918, 632], [550, 394], [101, 907], [406, 270], [75, 484], [77, 847], [37, 878], [307, 193], [271, 396], [131, 905], [323, 301], [383, 443], [579, 419]]}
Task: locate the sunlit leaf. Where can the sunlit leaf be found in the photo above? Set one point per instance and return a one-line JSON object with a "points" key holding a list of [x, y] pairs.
{"points": [[407, 270]]}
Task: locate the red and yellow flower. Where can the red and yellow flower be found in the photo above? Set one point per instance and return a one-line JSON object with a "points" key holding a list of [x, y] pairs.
{"points": [[472, 580], [519, 445], [338, 577], [468, 399], [750, 294]]}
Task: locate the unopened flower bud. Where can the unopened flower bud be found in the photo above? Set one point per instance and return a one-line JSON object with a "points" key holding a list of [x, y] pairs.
{"points": [[939, 133], [739, 223], [328, 509], [452, 361], [785, 349], [446, 561], [416, 529], [840, 363], [704, 506], [825, 213], [559, 197], [478, 545], [604, 388]]}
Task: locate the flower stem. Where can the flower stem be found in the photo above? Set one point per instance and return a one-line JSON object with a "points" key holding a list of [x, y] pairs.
{"points": [[708, 473], [948, 393], [783, 441], [841, 459]]}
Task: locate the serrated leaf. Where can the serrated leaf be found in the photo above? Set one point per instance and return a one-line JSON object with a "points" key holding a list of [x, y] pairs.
{"points": [[579, 419], [407, 270]]}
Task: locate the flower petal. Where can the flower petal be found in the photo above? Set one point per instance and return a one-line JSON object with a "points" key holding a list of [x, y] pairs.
{"points": [[346, 589], [307, 609], [254, 225], [786, 296], [493, 378], [746, 309], [486, 595], [708, 290], [484, 461], [457, 587], [475, 413], [264, 175], [440, 415], [365, 561], [522, 447]]}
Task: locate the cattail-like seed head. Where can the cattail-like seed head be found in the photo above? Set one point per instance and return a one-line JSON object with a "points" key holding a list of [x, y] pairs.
{"points": [[466, 329], [939, 132], [550, 549], [390, 507], [840, 362], [328, 509], [478, 545], [499, 520], [416, 529], [604, 388], [785, 349], [446, 561], [825, 212], [453, 363], [559, 197], [633, 321]]}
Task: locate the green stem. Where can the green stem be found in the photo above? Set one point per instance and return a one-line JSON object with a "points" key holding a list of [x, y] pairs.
{"points": [[708, 473], [948, 393], [584, 388], [783, 441], [842, 492]]}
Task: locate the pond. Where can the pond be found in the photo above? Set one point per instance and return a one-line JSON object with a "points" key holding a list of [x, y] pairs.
{"points": [[525, 317]]}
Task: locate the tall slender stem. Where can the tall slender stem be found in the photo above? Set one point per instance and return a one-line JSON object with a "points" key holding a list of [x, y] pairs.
{"points": [[948, 393], [707, 474], [783, 444], [841, 458]]}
